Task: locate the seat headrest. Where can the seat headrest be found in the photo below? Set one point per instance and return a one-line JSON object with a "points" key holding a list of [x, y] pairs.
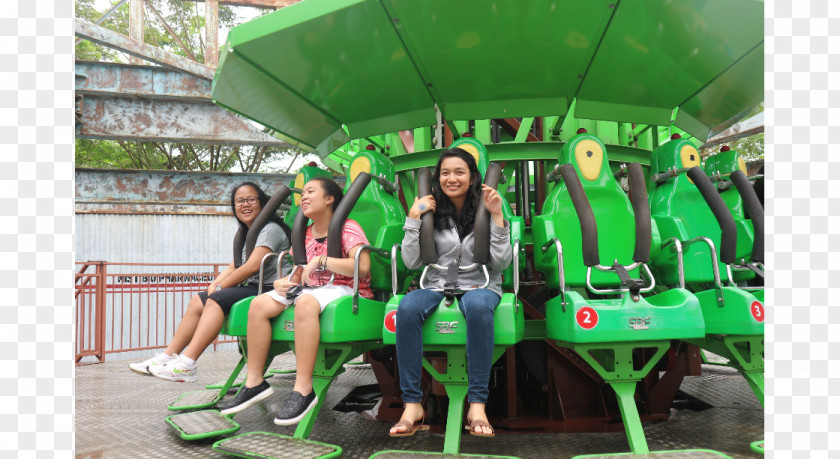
{"points": [[678, 153], [476, 149], [372, 162], [725, 163], [588, 155]]}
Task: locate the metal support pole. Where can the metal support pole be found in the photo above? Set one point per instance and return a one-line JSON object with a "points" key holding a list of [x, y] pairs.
{"points": [[135, 26], [630, 415], [211, 33], [100, 311]]}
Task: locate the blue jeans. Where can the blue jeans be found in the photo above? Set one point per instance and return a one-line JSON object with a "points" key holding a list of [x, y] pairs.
{"points": [[477, 306]]}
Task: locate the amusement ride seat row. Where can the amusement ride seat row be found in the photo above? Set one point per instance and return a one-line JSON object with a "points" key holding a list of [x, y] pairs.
{"points": [[662, 282]]}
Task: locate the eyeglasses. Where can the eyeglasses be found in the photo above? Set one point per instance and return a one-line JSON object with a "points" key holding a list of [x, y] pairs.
{"points": [[241, 202]]}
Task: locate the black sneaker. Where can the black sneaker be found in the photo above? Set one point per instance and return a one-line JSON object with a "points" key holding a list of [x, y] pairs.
{"points": [[295, 408], [246, 397]]}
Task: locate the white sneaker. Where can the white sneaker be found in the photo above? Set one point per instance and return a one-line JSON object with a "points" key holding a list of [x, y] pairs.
{"points": [[156, 361], [175, 370]]}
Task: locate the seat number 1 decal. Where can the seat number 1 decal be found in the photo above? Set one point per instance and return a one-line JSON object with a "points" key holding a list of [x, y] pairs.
{"points": [[757, 311], [391, 321], [587, 318]]}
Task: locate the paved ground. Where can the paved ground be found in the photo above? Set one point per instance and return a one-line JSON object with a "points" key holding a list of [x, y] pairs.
{"points": [[121, 414]]}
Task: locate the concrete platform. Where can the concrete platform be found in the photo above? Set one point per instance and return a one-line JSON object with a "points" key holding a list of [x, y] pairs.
{"points": [[120, 414]]}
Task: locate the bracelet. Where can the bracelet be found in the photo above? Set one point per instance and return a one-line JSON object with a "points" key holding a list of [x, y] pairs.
{"points": [[323, 263]]}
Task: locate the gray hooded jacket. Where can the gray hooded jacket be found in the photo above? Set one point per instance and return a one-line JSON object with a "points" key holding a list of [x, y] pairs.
{"points": [[450, 247]]}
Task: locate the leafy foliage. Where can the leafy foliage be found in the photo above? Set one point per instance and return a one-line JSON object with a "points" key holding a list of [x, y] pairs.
{"points": [[186, 20], [750, 148]]}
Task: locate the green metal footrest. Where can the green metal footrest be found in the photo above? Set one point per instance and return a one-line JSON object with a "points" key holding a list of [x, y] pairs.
{"points": [[413, 454], [282, 370], [195, 400], [686, 453], [239, 380], [270, 445], [197, 425]]}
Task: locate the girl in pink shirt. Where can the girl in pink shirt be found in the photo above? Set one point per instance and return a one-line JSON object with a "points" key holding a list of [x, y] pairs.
{"points": [[319, 199]]}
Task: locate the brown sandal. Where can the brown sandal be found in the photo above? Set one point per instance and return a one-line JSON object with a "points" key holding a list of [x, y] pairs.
{"points": [[410, 427], [480, 422]]}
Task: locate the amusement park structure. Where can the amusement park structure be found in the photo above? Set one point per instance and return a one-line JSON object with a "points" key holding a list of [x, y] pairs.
{"points": [[632, 254]]}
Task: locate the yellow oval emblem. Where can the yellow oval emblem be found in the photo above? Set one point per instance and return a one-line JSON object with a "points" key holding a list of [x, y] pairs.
{"points": [[742, 165], [299, 186], [590, 158], [359, 165], [471, 149], [689, 157]]}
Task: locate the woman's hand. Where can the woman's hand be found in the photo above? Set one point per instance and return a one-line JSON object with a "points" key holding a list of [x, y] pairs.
{"points": [[421, 206], [211, 289], [492, 201], [282, 285], [311, 267]]}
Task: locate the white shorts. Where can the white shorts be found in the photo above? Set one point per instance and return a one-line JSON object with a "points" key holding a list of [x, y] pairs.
{"points": [[324, 295]]}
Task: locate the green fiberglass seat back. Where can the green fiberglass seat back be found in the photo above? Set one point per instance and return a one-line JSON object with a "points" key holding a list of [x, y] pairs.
{"points": [[306, 174], [517, 224], [380, 215], [723, 164], [612, 212], [729, 169], [369, 200], [681, 212]]}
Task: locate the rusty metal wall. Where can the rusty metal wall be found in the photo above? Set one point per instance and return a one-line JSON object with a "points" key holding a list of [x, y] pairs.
{"points": [[106, 191], [145, 238], [158, 216]]}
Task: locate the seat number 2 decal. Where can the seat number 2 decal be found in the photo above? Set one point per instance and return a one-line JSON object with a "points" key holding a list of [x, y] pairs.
{"points": [[587, 318]]}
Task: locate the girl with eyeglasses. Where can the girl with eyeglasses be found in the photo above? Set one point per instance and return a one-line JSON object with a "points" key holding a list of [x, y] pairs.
{"points": [[205, 314]]}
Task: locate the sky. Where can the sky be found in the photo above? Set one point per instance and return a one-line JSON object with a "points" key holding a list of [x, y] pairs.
{"points": [[245, 14]]}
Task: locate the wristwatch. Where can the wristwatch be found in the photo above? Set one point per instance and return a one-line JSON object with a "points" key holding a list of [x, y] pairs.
{"points": [[218, 287]]}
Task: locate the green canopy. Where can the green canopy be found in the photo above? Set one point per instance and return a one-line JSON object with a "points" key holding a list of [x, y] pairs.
{"points": [[322, 72]]}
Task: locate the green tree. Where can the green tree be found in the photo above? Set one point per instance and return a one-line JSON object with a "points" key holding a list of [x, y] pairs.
{"points": [[185, 19]]}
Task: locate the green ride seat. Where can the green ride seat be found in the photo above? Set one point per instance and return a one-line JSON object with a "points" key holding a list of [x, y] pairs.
{"points": [[350, 325], [687, 208], [614, 211], [445, 329], [208, 423], [728, 168], [680, 211], [607, 333]]}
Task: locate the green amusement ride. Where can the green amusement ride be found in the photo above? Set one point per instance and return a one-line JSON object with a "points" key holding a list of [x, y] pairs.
{"points": [[632, 254]]}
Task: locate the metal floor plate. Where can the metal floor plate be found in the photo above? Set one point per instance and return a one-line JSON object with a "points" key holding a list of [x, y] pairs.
{"points": [[200, 422], [111, 400], [261, 444], [415, 455], [199, 397], [664, 455]]}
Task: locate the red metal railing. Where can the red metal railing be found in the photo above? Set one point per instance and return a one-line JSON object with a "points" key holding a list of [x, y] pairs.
{"points": [[122, 307]]}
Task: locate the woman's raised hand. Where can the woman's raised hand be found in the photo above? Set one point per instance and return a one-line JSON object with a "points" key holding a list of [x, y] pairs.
{"points": [[282, 285], [492, 200], [421, 206]]}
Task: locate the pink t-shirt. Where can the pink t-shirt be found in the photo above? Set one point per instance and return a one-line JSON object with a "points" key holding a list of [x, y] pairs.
{"points": [[351, 236]]}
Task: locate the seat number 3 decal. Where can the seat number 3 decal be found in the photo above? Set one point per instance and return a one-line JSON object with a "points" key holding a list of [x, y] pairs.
{"points": [[757, 311]]}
